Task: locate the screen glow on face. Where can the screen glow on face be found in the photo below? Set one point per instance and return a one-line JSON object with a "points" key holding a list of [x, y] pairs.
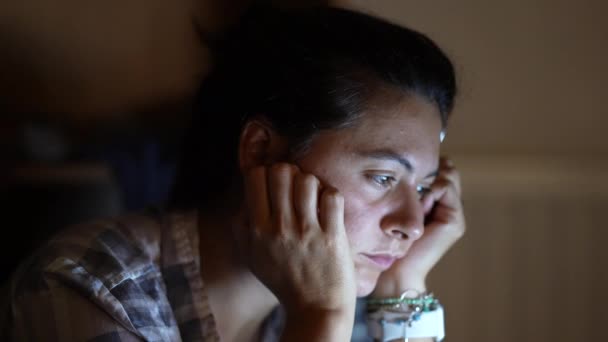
{"points": [[382, 166]]}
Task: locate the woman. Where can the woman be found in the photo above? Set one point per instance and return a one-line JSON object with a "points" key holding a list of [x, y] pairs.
{"points": [[311, 176]]}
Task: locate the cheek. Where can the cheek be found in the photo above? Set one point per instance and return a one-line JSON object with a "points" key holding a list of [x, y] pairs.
{"points": [[360, 220], [361, 216], [362, 231]]}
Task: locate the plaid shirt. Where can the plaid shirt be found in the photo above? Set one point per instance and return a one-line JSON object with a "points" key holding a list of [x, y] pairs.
{"points": [[129, 279], [115, 280]]}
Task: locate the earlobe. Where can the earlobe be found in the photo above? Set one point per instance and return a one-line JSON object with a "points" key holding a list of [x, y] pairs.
{"points": [[259, 144]]}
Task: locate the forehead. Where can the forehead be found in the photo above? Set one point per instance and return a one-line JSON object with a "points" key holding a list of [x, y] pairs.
{"points": [[404, 116], [408, 126]]}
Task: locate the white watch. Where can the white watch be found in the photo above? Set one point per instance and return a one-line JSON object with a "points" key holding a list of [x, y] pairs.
{"points": [[388, 325]]}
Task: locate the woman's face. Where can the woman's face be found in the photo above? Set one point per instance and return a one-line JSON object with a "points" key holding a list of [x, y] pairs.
{"points": [[380, 165]]}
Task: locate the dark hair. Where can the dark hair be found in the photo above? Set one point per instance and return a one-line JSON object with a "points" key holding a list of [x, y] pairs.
{"points": [[304, 71]]}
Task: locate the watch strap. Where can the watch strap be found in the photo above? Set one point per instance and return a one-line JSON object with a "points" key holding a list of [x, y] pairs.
{"points": [[386, 325]]}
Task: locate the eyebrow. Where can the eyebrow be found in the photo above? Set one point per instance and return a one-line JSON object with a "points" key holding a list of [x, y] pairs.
{"points": [[392, 155]]}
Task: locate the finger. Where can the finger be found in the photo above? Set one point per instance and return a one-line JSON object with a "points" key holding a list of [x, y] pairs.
{"points": [[428, 200], [331, 215], [305, 200], [444, 191], [445, 162], [453, 177], [256, 194], [280, 179], [446, 214], [448, 170]]}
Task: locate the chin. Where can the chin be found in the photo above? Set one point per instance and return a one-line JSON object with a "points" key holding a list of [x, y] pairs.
{"points": [[366, 282], [364, 291]]}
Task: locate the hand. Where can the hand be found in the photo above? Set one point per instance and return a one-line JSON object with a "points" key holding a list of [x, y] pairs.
{"points": [[445, 224], [295, 241]]}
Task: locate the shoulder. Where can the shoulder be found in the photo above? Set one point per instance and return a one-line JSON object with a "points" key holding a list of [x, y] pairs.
{"points": [[112, 263], [108, 250]]}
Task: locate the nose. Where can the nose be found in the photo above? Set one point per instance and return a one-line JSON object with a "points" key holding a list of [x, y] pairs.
{"points": [[405, 219]]}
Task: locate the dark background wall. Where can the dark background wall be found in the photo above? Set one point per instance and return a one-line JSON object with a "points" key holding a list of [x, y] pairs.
{"points": [[94, 95]]}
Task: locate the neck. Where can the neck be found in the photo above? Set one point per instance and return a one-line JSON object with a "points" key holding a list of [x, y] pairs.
{"points": [[239, 301]]}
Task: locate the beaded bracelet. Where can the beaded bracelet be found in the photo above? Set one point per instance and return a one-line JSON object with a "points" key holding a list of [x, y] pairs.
{"points": [[422, 302]]}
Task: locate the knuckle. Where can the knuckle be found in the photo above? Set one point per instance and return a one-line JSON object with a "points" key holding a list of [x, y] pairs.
{"points": [[282, 224], [329, 244], [308, 226], [279, 222]]}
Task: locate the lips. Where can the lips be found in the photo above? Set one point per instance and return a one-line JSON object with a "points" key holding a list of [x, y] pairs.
{"points": [[381, 261]]}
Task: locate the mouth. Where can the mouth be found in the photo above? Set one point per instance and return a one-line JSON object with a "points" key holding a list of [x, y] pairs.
{"points": [[381, 261]]}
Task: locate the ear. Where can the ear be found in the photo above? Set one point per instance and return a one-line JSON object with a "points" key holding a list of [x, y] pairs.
{"points": [[260, 144]]}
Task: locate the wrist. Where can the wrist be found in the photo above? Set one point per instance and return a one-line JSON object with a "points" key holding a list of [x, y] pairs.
{"points": [[397, 287], [319, 324]]}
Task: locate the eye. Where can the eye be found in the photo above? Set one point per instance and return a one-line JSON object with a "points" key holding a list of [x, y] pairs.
{"points": [[382, 180], [422, 190]]}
